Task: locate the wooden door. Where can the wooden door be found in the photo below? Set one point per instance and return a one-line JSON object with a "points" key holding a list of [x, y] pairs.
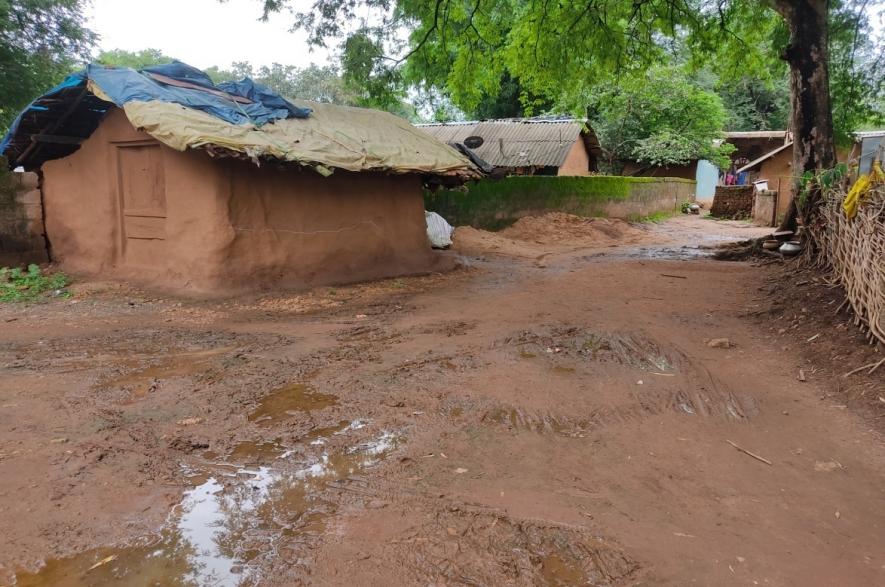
{"points": [[142, 192]]}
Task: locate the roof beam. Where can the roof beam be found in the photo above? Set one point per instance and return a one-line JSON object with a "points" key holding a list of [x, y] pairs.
{"points": [[57, 139], [52, 127]]}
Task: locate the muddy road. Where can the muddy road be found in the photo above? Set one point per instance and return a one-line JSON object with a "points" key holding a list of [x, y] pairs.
{"points": [[552, 414]]}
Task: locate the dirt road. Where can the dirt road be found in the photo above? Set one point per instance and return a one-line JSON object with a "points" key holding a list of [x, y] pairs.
{"points": [[552, 414]]}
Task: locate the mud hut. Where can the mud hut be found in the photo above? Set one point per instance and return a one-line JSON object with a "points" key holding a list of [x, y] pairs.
{"points": [[163, 178]]}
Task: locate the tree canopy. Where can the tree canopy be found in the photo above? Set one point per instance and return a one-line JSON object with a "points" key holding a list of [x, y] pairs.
{"points": [[133, 59], [660, 118], [483, 53], [40, 41]]}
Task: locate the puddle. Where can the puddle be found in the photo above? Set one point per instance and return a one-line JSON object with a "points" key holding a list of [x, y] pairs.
{"points": [[141, 380], [556, 571], [661, 253], [250, 452], [282, 403], [225, 526]]}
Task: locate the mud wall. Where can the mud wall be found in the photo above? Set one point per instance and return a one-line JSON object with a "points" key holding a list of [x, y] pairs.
{"points": [[577, 162], [297, 228], [126, 207], [764, 208], [733, 201], [778, 170], [22, 238], [493, 205]]}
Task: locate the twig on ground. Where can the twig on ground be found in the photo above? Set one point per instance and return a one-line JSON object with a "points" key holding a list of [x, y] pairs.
{"points": [[676, 276], [867, 366], [876, 366], [748, 453]]}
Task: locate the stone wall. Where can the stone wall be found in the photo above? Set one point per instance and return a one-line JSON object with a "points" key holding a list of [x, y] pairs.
{"points": [[763, 208], [22, 238], [733, 201], [495, 204]]}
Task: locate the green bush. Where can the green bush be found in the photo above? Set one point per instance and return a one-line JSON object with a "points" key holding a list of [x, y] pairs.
{"points": [[17, 285]]}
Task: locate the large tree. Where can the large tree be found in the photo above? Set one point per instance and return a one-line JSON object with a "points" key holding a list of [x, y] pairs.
{"points": [[40, 42], [560, 48]]}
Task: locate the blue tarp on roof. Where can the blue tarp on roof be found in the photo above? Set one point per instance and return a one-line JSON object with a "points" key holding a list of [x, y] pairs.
{"points": [[124, 85]]}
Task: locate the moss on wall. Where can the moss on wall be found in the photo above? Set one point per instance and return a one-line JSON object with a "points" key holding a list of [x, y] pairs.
{"points": [[495, 204]]}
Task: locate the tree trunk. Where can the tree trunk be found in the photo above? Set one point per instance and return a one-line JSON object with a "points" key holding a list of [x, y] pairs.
{"points": [[811, 120]]}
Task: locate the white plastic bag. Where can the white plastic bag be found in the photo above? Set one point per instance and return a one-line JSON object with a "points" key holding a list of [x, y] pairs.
{"points": [[438, 230]]}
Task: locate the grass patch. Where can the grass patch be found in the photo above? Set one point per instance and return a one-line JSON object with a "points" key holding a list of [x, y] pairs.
{"points": [[17, 285], [656, 217]]}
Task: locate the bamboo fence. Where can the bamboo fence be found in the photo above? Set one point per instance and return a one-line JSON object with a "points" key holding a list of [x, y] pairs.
{"points": [[853, 249]]}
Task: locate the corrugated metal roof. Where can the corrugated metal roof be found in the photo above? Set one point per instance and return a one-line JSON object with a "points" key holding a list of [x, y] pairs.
{"points": [[757, 134], [515, 143], [863, 134]]}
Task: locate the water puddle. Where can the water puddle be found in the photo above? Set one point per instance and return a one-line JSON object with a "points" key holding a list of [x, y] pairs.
{"points": [[557, 571], [286, 401], [230, 522], [141, 380], [250, 452], [659, 253]]}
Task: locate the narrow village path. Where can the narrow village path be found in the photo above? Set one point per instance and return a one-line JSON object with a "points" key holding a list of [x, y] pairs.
{"points": [[555, 413]]}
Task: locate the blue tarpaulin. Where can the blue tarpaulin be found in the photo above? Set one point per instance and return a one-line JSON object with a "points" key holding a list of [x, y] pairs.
{"points": [[261, 105], [125, 85]]}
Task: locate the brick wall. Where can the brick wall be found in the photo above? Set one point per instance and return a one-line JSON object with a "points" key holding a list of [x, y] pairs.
{"points": [[733, 201], [22, 238]]}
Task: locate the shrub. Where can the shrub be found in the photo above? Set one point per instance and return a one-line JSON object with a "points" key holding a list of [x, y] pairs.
{"points": [[17, 285]]}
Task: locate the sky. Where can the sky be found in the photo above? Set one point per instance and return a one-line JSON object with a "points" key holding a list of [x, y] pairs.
{"points": [[202, 32]]}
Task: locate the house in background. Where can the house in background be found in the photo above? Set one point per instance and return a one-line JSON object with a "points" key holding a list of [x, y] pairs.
{"points": [[525, 146], [766, 155], [868, 146], [751, 145], [162, 178]]}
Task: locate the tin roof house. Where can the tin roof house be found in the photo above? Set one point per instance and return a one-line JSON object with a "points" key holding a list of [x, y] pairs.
{"points": [[525, 146]]}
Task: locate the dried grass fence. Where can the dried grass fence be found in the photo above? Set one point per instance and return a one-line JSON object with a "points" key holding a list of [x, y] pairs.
{"points": [[853, 249]]}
